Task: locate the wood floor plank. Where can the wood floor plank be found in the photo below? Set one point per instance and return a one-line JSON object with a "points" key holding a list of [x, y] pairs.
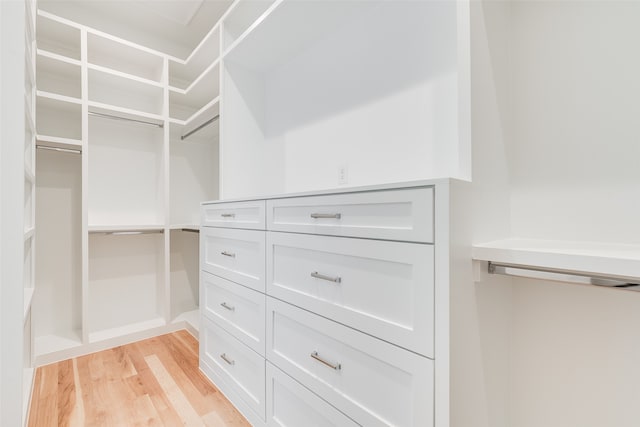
{"points": [[154, 382], [66, 393]]}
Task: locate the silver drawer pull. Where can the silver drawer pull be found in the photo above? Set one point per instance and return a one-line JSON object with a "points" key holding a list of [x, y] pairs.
{"points": [[321, 215], [336, 366], [228, 307], [323, 277], [228, 215], [225, 253], [224, 357]]}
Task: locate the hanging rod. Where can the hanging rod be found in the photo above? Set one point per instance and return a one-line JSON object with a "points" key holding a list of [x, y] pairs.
{"points": [[205, 124], [63, 150], [561, 276], [109, 116]]}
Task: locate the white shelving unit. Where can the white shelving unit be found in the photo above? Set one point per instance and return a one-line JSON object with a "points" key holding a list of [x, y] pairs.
{"points": [[119, 188], [29, 254]]}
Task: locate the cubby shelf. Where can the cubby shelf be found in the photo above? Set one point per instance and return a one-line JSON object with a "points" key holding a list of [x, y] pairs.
{"points": [[57, 57], [123, 189], [58, 142]]}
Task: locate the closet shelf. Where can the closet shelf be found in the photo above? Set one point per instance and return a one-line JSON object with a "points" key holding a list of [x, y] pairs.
{"points": [[28, 298], [211, 109], [58, 142], [126, 330], [124, 75], [57, 97], [214, 66], [185, 73], [126, 113], [125, 228], [57, 57], [591, 258]]}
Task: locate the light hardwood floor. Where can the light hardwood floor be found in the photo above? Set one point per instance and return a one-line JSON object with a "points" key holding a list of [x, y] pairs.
{"points": [[155, 382]]}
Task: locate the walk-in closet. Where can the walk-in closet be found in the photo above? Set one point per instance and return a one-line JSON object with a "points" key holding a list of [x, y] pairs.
{"points": [[417, 213]]}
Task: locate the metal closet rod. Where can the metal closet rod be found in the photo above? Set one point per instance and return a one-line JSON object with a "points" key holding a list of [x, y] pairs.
{"points": [[559, 275], [205, 124], [62, 150], [126, 119]]}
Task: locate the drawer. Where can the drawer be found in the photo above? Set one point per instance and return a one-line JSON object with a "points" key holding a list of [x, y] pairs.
{"points": [[289, 404], [380, 287], [237, 255], [239, 310], [391, 215], [234, 215], [371, 381], [239, 367]]}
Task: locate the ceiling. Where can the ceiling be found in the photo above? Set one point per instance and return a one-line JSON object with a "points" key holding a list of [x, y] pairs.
{"points": [[174, 27]]}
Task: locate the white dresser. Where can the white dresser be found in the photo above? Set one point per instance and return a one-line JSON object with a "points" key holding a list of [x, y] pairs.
{"points": [[320, 309]]}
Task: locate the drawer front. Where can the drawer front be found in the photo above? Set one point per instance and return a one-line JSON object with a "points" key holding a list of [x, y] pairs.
{"points": [[239, 310], [289, 404], [379, 287], [249, 215], [236, 255], [240, 368], [371, 381], [391, 215]]}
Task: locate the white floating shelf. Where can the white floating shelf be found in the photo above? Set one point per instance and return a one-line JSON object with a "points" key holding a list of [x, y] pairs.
{"points": [[600, 259]]}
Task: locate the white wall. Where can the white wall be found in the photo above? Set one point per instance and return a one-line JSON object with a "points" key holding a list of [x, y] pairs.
{"points": [[574, 160], [11, 209], [377, 95], [561, 145], [489, 301]]}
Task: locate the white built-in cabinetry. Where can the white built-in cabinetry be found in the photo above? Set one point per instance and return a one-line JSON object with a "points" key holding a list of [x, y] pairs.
{"points": [[336, 303], [29, 198], [122, 165]]}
